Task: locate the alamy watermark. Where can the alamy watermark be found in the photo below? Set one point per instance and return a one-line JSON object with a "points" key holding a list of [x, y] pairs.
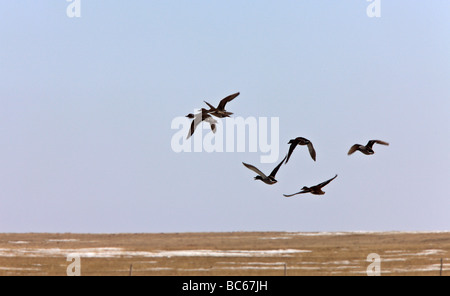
{"points": [[74, 268], [374, 268], [237, 134], [374, 8], [74, 8]]}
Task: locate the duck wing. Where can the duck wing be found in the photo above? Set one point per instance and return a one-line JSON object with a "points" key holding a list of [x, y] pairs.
{"points": [[275, 170], [326, 182], [291, 149], [211, 107], [197, 119], [371, 142], [225, 100], [312, 152], [300, 192], [353, 149], [249, 166]]}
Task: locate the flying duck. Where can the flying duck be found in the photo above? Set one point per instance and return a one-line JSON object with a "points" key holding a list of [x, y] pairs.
{"points": [[366, 149], [317, 189], [220, 111], [261, 176], [197, 118], [301, 141]]}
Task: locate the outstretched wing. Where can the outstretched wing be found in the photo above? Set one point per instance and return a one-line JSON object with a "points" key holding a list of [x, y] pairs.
{"points": [[371, 142], [195, 122], [326, 182], [192, 129], [249, 166], [225, 100], [300, 192], [210, 106], [291, 149], [353, 149], [312, 152], [275, 170]]}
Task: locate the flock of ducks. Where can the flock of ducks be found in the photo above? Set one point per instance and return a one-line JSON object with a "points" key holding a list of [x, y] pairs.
{"points": [[220, 112]]}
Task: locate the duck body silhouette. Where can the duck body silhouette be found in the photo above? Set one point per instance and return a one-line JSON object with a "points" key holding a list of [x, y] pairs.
{"points": [[270, 180], [368, 149], [317, 189]]}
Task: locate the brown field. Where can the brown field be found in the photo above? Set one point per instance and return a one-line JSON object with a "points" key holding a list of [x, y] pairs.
{"points": [[225, 254]]}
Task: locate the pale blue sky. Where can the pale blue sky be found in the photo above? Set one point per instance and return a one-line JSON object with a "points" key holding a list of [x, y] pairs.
{"points": [[87, 105]]}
